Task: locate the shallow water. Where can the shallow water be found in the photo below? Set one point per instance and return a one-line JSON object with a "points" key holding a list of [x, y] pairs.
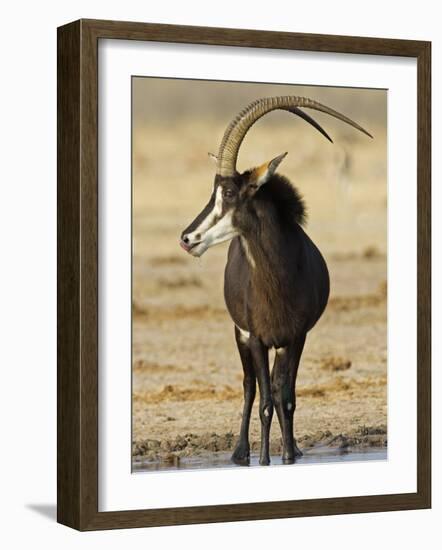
{"points": [[316, 455]]}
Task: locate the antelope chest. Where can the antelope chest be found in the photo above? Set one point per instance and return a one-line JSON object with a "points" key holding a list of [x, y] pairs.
{"points": [[274, 319]]}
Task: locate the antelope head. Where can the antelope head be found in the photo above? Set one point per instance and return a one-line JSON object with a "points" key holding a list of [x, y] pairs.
{"points": [[233, 193]]}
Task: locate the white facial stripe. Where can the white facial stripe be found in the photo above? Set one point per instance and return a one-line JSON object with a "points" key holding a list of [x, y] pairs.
{"points": [[221, 231], [208, 222], [218, 201]]}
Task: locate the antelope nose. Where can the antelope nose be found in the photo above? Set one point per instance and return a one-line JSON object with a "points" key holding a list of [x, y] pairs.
{"points": [[185, 243]]}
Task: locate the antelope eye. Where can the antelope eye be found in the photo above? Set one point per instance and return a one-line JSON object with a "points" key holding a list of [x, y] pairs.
{"points": [[228, 194]]}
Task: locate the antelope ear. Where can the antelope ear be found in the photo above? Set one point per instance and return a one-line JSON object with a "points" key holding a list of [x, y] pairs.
{"points": [[260, 175], [213, 157]]}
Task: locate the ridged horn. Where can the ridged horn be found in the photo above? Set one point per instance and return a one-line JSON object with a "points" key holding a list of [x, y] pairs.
{"points": [[240, 125]]}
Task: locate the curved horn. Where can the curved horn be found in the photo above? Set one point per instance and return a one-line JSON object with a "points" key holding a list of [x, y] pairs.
{"points": [[240, 125]]}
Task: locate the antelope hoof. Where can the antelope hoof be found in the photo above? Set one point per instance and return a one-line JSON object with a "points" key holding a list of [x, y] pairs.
{"points": [[291, 453], [264, 461], [298, 452], [241, 455]]}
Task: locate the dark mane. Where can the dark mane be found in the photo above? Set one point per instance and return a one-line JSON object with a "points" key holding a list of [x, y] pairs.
{"points": [[288, 201]]}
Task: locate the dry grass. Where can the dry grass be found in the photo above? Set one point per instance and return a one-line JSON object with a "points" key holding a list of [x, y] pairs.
{"points": [[335, 363]]}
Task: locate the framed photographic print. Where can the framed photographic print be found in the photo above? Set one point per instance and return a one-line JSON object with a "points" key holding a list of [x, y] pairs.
{"points": [[243, 334]]}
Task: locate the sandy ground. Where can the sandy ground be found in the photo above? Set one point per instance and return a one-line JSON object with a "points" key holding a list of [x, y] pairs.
{"points": [[187, 376]]}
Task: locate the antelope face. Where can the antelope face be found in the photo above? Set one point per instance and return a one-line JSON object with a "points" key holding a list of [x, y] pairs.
{"points": [[222, 217], [214, 224]]}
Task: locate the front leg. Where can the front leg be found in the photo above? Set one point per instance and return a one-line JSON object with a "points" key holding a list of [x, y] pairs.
{"points": [[261, 362], [241, 454], [284, 375]]}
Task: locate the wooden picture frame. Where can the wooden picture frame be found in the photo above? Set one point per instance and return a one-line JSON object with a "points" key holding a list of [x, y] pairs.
{"points": [[77, 226]]}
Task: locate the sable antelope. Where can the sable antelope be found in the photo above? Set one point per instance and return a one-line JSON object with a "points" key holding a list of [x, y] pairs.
{"points": [[276, 283]]}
